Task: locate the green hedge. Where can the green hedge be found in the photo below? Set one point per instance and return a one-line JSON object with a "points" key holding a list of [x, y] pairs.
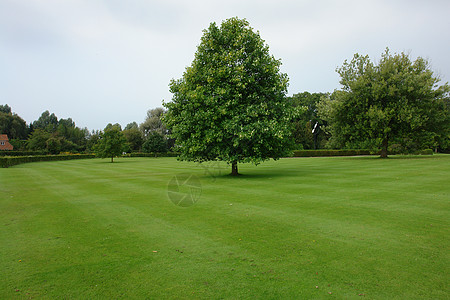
{"points": [[6, 162], [21, 153], [152, 154], [316, 153]]}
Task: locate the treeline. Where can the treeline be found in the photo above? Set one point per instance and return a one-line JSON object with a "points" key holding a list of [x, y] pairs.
{"points": [[327, 123], [51, 135], [394, 106]]}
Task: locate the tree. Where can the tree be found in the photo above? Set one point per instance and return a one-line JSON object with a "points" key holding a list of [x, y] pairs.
{"points": [[13, 125], [131, 126], [155, 142], [111, 143], [304, 124], [38, 140], [153, 122], [46, 121], [5, 109], [230, 104], [134, 138], [397, 100]]}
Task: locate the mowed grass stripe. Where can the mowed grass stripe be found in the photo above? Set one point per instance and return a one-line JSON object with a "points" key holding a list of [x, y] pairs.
{"points": [[347, 225]]}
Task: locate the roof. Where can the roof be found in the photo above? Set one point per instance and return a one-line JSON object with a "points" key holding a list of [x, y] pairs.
{"points": [[5, 145]]}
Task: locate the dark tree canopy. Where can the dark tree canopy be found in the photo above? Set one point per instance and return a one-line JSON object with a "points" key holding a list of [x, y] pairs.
{"points": [[230, 104], [396, 100], [46, 121], [13, 125], [5, 109], [307, 133]]}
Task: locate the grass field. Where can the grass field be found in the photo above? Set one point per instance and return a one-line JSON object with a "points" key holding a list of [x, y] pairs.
{"points": [[299, 228]]}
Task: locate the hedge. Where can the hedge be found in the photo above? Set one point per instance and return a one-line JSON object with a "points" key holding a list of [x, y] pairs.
{"points": [[316, 153], [9, 161], [152, 154], [21, 153]]}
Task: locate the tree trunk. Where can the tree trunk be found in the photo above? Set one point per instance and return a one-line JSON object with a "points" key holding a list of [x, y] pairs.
{"points": [[384, 148], [112, 159], [234, 168]]}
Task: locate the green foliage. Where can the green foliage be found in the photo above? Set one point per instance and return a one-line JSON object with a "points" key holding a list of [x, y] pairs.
{"points": [[398, 101], [152, 154], [155, 142], [46, 121], [230, 104], [112, 143], [153, 122], [5, 109], [53, 145], [110, 125], [38, 140], [134, 138], [10, 161], [307, 119], [22, 153], [12, 125], [131, 125], [317, 153]]}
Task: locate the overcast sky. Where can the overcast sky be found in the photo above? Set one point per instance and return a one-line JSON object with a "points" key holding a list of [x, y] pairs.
{"points": [[109, 61]]}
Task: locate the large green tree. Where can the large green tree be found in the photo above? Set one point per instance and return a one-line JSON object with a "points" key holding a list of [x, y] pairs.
{"points": [[395, 100], [230, 104], [111, 143]]}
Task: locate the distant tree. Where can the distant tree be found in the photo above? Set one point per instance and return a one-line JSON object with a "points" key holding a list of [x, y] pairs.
{"points": [[111, 143], [13, 125], [134, 138], [132, 126], [5, 109], [306, 121], [46, 121], [155, 142], [38, 140], [92, 139], [117, 125], [396, 100], [153, 122], [230, 104], [53, 144]]}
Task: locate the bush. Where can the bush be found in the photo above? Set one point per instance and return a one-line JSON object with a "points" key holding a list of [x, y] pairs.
{"points": [[6, 162], [316, 153], [155, 142], [21, 153], [152, 154]]}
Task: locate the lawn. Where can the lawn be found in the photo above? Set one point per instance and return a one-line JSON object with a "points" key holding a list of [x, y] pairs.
{"points": [[297, 228]]}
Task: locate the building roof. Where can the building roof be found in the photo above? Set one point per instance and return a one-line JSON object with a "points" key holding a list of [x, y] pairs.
{"points": [[5, 145]]}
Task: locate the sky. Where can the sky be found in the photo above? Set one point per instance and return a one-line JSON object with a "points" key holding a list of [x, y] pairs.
{"points": [[109, 61]]}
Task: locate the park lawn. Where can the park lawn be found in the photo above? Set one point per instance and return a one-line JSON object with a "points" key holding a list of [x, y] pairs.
{"points": [[297, 228]]}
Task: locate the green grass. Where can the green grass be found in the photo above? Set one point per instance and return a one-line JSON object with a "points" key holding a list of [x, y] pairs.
{"points": [[298, 228]]}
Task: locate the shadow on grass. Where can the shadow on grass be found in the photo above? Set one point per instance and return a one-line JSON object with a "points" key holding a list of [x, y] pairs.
{"points": [[258, 174]]}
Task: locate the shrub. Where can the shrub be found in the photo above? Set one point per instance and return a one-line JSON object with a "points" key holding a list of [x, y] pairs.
{"points": [[316, 153], [152, 154], [21, 153], [6, 162]]}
